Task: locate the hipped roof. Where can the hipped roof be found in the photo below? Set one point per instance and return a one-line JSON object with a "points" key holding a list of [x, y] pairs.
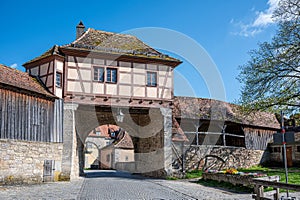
{"points": [[108, 42]]}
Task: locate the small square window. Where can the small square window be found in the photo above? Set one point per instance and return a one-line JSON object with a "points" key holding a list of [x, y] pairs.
{"points": [[298, 148], [99, 74], [58, 81], [152, 79], [277, 149], [111, 75]]}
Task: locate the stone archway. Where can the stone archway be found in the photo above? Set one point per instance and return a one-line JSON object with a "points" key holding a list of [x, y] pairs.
{"points": [[150, 129]]}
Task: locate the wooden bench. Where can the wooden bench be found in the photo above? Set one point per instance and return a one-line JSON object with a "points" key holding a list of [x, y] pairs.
{"points": [[270, 181]]}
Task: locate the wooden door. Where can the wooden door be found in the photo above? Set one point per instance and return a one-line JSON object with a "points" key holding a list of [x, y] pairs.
{"points": [[289, 156]]}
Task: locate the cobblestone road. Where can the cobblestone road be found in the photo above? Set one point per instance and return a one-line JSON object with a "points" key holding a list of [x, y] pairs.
{"points": [[118, 185]]}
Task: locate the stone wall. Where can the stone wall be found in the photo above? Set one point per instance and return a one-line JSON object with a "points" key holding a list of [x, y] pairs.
{"points": [[23, 162], [236, 157]]}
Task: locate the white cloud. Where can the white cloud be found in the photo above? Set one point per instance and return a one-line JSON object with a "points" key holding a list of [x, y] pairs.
{"points": [[14, 66], [262, 20], [265, 18]]}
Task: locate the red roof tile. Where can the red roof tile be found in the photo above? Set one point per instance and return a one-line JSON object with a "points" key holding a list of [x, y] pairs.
{"points": [[21, 80]]}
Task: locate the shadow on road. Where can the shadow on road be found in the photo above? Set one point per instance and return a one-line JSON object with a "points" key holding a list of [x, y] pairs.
{"points": [[112, 173]]}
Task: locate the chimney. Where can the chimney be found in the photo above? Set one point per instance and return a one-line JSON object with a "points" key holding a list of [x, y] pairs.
{"points": [[80, 29]]}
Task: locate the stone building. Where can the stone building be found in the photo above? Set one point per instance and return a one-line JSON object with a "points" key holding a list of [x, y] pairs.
{"points": [[292, 139], [99, 138], [118, 154], [30, 139]]}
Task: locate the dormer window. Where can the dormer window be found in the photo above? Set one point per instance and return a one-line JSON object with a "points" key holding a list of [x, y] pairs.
{"points": [[151, 79]]}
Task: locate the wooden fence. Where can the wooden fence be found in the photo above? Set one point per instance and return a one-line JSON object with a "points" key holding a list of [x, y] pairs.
{"points": [[30, 118], [272, 181]]}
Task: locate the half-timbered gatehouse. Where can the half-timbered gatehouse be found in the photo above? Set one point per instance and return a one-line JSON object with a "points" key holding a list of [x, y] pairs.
{"points": [[103, 75]]}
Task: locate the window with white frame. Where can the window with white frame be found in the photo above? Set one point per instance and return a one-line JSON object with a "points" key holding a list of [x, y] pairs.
{"points": [[99, 74], [152, 79], [58, 81], [111, 75]]}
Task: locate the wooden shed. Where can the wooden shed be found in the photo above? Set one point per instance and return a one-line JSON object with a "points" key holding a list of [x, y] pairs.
{"points": [[28, 110], [213, 122]]}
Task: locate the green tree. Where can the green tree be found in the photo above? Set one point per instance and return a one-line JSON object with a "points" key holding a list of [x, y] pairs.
{"points": [[271, 78]]}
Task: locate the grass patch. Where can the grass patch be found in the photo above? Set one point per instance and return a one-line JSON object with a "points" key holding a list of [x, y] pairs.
{"points": [[293, 173], [235, 188], [194, 174], [171, 178]]}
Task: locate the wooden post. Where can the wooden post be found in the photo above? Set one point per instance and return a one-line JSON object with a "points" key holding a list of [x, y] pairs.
{"points": [[259, 191]]}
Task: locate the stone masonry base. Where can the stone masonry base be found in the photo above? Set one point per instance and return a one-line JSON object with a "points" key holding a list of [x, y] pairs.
{"points": [[22, 162]]}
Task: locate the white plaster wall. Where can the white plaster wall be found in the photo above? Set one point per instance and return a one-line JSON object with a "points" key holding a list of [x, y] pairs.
{"points": [[152, 92], [139, 79], [124, 90], [58, 92], [98, 88], [72, 74], [139, 91], [87, 87], [59, 66], [111, 89], [74, 86], [85, 74], [125, 78]]}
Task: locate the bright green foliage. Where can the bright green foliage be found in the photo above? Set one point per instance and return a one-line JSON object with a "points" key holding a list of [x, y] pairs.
{"points": [[271, 78]]}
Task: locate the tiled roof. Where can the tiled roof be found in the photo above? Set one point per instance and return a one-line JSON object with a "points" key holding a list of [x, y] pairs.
{"points": [[52, 51], [209, 109], [124, 44], [124, 141], [103, 129], [21, 80], [107, 42]]}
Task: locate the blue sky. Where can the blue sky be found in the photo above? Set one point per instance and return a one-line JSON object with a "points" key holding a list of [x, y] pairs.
{"points": [[227, 30]]}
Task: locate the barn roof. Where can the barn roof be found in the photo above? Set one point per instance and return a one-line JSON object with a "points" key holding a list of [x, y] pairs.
{"points": [[108, 42], [209, 109], [21, 80]]}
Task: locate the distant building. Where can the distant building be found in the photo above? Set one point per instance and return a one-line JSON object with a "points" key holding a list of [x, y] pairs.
{"points": [[292, 139], [99, 138], [121, 151]]}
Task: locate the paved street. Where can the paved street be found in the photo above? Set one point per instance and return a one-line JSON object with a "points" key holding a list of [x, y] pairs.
{"points": [[117, 185]]}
